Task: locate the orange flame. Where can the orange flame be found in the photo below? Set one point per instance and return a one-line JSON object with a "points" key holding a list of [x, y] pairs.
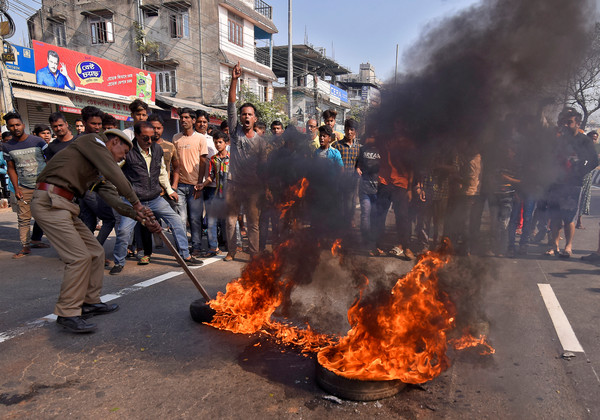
{"points": [[467, 340], [400, 336], [296, 191], [403, 338], [336, 247]]}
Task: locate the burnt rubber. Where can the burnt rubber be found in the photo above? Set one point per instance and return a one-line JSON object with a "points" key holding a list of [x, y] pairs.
{"points": [[356, 389], [201, 312]]}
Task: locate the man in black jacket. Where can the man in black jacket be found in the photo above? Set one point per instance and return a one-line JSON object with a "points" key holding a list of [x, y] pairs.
{"points": [[576, 157], [145, 169]]}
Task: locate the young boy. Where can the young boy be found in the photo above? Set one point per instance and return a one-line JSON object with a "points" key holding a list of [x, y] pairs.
{"points": [[43, 131], [215, 205], [325, 151]]}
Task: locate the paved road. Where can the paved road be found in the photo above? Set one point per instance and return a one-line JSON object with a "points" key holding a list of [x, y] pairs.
{"points": [[150, 360]]}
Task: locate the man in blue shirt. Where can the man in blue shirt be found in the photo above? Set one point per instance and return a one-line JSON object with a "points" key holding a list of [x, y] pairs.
{"points": [[51, 76]]}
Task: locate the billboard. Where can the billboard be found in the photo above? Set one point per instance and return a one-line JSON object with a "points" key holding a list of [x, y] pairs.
{"points": [[83, 73], [23, 68]]}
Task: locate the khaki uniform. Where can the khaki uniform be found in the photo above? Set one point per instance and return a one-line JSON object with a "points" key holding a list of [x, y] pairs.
{"points": [[76, 169]]}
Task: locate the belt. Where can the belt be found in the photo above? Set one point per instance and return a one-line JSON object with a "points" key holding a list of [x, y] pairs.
{"points": [[56, 190]]}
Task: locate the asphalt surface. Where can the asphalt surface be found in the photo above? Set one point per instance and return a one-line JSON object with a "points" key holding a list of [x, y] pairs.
{"points": [[150, 360]]}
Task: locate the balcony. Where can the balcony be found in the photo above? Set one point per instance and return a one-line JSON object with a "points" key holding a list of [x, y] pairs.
{"points": [[263, 8]]}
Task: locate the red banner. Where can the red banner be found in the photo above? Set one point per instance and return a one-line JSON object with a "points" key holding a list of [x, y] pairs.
{"points": [[78, 72]]}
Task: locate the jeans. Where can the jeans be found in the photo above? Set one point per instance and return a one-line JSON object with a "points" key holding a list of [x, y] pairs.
{"points": [[161, 210], [501, 209], [368, 212], [93, 207], [269, 213], [528, 205], [238, 195], [387, 195], [186, 203], [215, 209]]}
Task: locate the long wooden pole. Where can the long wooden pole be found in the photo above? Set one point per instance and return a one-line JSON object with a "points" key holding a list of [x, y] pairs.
{"points": [[183, 265]]}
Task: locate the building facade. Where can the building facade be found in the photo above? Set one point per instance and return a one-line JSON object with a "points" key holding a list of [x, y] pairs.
{"points": [[191, 45]]}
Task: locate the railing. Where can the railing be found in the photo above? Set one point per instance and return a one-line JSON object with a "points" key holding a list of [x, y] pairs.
{"points": [[263, 8], [262, 56]]}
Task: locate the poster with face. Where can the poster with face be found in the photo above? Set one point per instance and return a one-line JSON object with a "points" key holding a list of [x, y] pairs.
{"points": [[72, 70]]}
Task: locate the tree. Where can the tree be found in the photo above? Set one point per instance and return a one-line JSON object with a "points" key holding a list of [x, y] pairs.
{"points": [[583, 87], [266, 111]]}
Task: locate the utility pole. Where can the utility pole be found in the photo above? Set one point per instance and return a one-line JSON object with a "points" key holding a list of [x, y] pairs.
{"points": [[396, 71], [290, 62]]}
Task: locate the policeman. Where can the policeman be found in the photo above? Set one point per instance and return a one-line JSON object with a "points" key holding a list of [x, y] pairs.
{"points": [[67, 177]]}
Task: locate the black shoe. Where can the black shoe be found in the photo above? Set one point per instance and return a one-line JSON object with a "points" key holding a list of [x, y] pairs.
{"points": [[93, 309], [193, 261], [75, 324], [116, 269]]}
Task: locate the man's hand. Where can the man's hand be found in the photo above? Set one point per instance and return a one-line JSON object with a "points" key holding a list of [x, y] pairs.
{"points": [[146, 218], [236, 73], [174, 197], [63, 70], [198, 191], [18, 193]]}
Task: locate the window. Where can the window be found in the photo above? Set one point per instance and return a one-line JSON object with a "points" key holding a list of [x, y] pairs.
{"points": [[150, 16], [179, 23], [102, 29], [236, 29], [58, 30], [166, 81]]}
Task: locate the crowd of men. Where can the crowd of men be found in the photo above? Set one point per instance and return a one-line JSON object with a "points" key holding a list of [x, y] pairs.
{"points": [[225, 183]]}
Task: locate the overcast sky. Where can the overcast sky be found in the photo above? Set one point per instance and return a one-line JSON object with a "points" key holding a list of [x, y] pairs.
{"points": [[351, 31]]}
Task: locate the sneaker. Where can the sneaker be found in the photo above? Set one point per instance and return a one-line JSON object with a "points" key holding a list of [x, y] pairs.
{"points": [[211, 253], [193, 261], [117, 268], [145, 260]]}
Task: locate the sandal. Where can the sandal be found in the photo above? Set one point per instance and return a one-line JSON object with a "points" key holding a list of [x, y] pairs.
{"points": [[396, 252], [565, 254], [211, 253], [552, 253], [39, 245], [23, 252], [145, 260]]}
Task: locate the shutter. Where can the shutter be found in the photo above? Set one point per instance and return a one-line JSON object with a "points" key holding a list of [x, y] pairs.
{"points": [[37, 113]]}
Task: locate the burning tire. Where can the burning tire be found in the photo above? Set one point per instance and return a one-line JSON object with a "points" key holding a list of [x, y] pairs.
{"points": [[201, 312], [355, 389]]}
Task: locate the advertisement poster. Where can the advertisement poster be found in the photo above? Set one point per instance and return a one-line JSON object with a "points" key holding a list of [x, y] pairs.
{"points": [[23, 68], [82, 73]]}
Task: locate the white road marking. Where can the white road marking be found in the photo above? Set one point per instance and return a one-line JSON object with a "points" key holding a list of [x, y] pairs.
{"points": [[40, 322], [565, 332]]}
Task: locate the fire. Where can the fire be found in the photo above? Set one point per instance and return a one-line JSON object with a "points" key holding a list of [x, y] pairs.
{"points": [[294, 193], [401, 335], [402, 338], [467, 340], [336, 247], [249, 302]]}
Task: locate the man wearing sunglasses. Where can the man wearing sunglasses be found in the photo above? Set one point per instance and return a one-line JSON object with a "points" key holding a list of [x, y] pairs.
{"points": [[145, 169]]}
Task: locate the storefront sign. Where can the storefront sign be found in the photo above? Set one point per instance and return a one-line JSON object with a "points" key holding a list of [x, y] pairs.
{"points": [[118, 110], [23, 67], [71, 70], [336, 92]]}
